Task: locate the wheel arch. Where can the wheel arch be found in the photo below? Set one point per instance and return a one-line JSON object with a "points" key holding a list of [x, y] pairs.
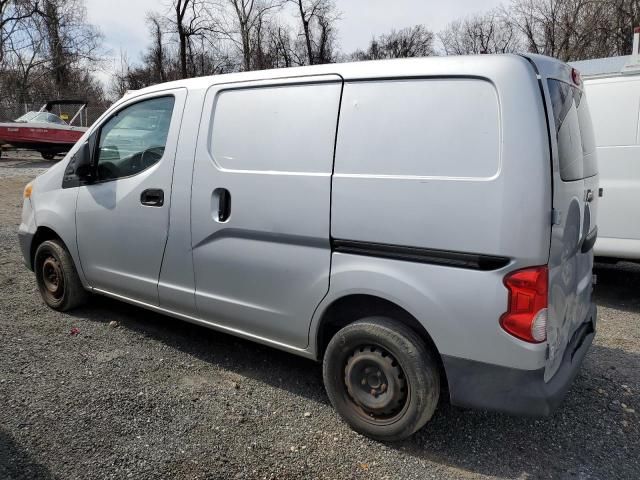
{"points": [[349, 308], [42, 234]]}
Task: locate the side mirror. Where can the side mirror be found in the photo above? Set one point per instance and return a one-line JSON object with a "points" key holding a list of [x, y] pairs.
{"points": [[83, 163], [81, 168]]}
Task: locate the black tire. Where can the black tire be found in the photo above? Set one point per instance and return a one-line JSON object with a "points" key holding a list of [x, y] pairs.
{"points": [[402, 360], [57, 277], [48, 155]]}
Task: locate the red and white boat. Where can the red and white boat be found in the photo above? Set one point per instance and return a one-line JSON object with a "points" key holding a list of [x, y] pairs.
{"points": [[44, 131]]}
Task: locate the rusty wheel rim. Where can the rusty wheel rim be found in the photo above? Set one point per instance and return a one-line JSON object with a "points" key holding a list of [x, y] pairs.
{"points": [[52, 278], [376, 385]]}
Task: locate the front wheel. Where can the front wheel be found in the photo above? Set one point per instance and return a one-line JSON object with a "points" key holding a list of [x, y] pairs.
{"points": [[48, 155], [381, 378], [57, 278]]}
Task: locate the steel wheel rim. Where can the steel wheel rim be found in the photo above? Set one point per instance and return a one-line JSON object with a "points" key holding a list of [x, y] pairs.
{"points": [[52, 278], [376, 387]]}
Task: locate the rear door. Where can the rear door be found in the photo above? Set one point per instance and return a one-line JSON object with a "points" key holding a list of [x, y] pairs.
{"points": [[575, 196]]}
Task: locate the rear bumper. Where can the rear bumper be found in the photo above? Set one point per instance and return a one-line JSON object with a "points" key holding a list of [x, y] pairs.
{"points": [[519, 392]]}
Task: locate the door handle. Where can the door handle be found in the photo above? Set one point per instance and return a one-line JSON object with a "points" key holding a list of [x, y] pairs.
{"points": [[222, 197], [589, 196], [589, 240], [152, 197]]}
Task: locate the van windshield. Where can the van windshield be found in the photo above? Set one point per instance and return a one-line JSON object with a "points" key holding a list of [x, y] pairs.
{"points": [[574, 132]]}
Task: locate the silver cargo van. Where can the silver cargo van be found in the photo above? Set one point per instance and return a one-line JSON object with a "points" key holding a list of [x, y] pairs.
{"points": [[410, 223]]}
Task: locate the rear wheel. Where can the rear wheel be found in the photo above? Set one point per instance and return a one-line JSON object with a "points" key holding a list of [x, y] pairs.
{"points": [[48, 155], [57, 278], [381, 378]]}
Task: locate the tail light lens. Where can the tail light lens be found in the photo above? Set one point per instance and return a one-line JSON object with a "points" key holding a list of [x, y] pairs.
{"points": [[526, 316], [576, 77]]}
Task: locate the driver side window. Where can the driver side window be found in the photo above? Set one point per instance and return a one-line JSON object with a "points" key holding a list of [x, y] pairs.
{"points": [[134, 138]]}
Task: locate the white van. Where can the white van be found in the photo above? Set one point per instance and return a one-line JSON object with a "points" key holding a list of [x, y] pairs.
{"points": [[409, 223], [613, 88]]}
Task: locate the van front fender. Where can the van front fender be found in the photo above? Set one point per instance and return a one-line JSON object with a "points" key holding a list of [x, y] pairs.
{"points": [[55, 210]]}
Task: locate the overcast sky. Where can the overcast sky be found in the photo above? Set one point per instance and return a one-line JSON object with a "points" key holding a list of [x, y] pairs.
{"points": [[124, 28]]}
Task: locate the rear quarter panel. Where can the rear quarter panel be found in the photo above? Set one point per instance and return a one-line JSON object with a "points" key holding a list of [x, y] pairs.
{"points": [[459, 308], [504, 211], [501, 210]]}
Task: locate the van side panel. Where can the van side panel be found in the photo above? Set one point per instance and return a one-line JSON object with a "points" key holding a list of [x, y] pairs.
{"points": [[614, 105], [447, 165], [264, 268]]}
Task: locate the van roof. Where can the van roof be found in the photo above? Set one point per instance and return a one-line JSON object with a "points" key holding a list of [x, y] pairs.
{"points": [[354, 70], [607, 67]]}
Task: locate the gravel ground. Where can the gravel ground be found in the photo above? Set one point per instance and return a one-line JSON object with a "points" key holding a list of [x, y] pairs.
{"points": [[25, 165], [139, 395]]}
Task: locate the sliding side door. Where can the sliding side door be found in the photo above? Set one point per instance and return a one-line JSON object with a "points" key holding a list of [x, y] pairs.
{"points": [[260, 205]]}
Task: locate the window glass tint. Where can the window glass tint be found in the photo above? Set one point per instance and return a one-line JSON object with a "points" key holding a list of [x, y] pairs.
{"points": [[434, 127], [41, 117], [134, 138], [282, 129], [574, 132]]}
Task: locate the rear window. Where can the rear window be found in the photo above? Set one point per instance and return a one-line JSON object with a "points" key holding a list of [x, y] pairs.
{"points": [[574, 133]]}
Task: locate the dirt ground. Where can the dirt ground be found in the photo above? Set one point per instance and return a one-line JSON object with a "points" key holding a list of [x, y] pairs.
{"points": [[139, 395]]}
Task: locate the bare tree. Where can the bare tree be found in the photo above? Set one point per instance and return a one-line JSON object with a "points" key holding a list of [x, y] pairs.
{"points": [[49, 50], [491, 32], [326, 41], [59, 64], [156, 54], [565, 29], [70, 40], [201, 50], [307, 12], [12, 12], [621, 18], [180, 8], [249, 17], [317, 18], [25, 67], [416, 41], [190, 18], [281, 46]]}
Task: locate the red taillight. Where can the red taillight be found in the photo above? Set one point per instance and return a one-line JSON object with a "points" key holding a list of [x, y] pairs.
{"points": [[575, 76], [526, 315]]}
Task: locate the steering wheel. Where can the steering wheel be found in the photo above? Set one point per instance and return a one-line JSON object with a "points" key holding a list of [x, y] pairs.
{"points": [[154, 154], [108, 170]]}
